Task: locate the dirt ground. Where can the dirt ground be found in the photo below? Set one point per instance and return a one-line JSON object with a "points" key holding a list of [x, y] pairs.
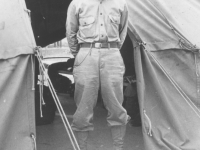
{"points": [[54, 136]]}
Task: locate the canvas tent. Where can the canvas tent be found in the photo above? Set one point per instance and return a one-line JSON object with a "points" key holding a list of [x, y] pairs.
{"points": [[17, 120], [166, 41], [167, 64]]}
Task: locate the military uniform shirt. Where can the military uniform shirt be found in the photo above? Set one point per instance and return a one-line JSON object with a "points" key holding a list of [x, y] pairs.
{"points": [[90, 21]]}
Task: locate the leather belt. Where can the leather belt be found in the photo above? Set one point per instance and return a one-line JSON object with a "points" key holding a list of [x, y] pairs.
{"points": [[99, 45]]}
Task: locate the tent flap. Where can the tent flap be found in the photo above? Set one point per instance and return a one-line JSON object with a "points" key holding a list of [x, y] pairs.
{"points": [[17, 104], [169, 101], [17, 108]]}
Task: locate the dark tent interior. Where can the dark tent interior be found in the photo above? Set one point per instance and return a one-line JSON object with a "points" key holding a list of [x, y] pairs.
{"points": [[48, 19]]}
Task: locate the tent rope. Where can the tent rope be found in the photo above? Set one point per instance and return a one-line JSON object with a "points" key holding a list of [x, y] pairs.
{"points": [[57, 102], [33, 72], [140, 44], [196, 65], [41, 83], [149, 121], [34, 140]]}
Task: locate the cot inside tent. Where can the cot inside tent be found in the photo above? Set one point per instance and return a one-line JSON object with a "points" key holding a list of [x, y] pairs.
{"points": [[17, 121], [166, 42]]}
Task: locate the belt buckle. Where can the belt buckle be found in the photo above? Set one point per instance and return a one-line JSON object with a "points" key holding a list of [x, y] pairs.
{"points": [[97, 45]]}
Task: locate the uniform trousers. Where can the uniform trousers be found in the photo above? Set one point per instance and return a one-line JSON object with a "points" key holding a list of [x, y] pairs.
{"points": [[96, 68]]}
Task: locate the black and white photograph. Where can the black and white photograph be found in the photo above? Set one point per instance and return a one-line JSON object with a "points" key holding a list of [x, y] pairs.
{"points": [[100, 75]]}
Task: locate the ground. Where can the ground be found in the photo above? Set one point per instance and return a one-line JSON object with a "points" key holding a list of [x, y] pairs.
{"points": [[54, 136]]}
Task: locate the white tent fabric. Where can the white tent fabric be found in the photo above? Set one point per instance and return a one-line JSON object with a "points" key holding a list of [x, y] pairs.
{"points": [[184, 15], [16, 36], [154, 21]]}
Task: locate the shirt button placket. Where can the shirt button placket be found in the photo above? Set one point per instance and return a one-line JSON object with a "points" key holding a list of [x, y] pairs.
{"points": [[101, 22]]}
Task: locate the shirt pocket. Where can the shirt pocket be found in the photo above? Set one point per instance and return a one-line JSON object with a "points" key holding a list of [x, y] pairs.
{"points": [[113, 26], [87, 27]]}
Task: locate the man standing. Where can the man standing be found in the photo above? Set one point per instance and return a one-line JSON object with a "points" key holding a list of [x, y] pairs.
{"points": [[96, 30]]}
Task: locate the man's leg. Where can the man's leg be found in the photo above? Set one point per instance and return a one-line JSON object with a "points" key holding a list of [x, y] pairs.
{"points": [[86, 77], [82, 137], [111, 77], [118, 133]]}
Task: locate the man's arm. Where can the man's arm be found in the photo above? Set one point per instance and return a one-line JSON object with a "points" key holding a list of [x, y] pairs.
{"points": [[123, 26], [72, 29]]}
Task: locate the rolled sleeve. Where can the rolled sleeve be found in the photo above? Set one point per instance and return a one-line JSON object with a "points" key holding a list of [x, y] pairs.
{"points": [[72, 29], [123, 26]]}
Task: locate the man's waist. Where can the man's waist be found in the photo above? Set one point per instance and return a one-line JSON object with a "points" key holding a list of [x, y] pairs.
{"points": [[99, 45]]}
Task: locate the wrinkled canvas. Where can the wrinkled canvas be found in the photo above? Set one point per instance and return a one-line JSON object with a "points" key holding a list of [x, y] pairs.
{"points": [[168, 73]]}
